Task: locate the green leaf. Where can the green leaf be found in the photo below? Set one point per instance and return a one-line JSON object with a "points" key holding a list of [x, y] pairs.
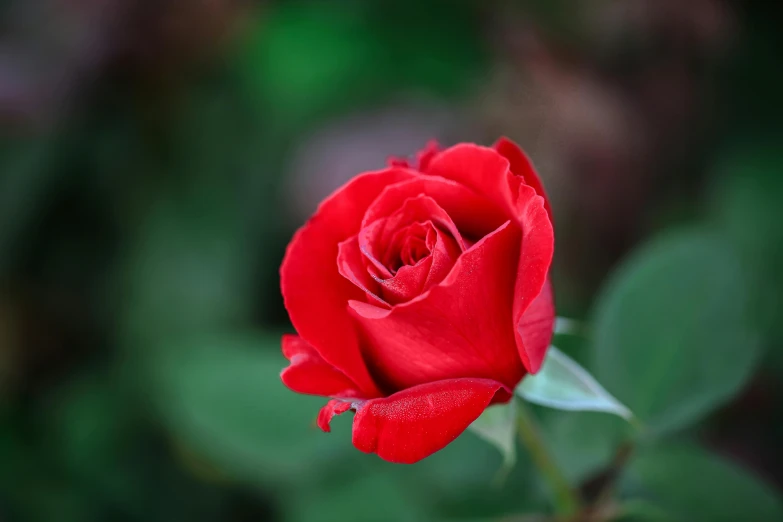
{"points": [[746, 205], [466, 480], [566, 326], [294, 48], [672, 339], [222, 396], [583, 443], [377, 496], [497, 425], [563, 384], [642, 511], [692, 484], [32, 487], [355, 56], [187, 270]]}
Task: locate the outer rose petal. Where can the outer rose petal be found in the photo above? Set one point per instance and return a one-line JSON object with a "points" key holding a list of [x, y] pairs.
{"points": [[327, 413], [426, 154], [314, 292], [535, 329], [417, 422], [535, 257], [486, 171], [481, 169], [460, 328], [308, 373], [423, 157], [521, 166]]}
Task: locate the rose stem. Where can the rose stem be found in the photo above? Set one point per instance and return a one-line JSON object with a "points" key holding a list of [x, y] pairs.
{"points": [[566, 500]]}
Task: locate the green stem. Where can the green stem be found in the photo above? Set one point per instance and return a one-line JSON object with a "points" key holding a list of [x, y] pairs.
{"points": [[566, 500]]}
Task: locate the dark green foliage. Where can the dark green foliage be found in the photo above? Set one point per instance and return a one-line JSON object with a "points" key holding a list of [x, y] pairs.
{"points": [[144, 216]]}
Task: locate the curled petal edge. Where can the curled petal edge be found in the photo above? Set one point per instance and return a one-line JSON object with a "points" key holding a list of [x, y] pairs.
{"points": [[416, 422]]}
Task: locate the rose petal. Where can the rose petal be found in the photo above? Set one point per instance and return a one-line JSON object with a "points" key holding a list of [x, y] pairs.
{"points": [[486, 171], [522, 166], [397, 162], [413, 236], [535, 329], [407, 283], [421, 209], [414, 279], [415, 423], [474, 215], [327, 413], [425, 155], [376, 237], [351, 265], [415, 248], [308, 373], [314, 292], [444, 254], [482, 170], [420, 228], [535, 257], [460, 328]]}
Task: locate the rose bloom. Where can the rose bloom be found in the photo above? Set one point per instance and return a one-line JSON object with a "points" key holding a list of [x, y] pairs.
{"points": [[421, 296]]}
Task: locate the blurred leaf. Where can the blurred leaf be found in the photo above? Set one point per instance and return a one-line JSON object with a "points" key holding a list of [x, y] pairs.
{"points": [[89, 428], [197, 466], [93, 432], [87, 423], [188, 271], [34, 489], [356, 54], [563, 384], [442, 50], [566, 326], [222, 396], [745, 197], [642, 511], [377, 496], [498, 426], [671, 334], [25, 180], [583, 443], [295, 47], [692, 484], [746, 204], [196, 232], [466, 481]]}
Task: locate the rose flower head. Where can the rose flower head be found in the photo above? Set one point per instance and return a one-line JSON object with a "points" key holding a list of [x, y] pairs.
{"points": [[420, 295]]}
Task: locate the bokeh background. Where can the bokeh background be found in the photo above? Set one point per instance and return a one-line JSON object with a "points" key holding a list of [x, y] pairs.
{"points": [[156, 157]]}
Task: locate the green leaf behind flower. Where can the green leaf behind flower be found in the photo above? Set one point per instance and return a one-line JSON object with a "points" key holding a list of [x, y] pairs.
{"points": [[498, 426], [692, 484], [672, 339], [565, 385]]}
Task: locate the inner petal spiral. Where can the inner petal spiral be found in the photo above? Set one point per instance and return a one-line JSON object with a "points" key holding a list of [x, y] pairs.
{"points": [[409, 245], [396, 258]]}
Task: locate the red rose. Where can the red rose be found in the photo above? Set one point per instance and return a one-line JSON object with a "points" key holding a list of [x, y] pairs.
{"points": [[421, 296]]}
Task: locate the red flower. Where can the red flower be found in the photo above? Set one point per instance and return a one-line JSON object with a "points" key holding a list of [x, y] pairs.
{"points": [[421, 296]]}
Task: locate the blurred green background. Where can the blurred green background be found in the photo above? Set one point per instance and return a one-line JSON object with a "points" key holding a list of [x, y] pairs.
{"points": [[156, 157]]}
